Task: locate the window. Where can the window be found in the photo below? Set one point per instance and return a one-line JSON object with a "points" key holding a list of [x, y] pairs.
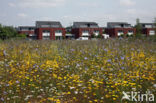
{"points": [[121, 31], [96, 31], [46, 34], [55, 26], [94, 26], [85, 31], [117, 26], [31, 29], [122, 25], [130, 31], [151, 32], [85, 35], [45, 26], [83, 26], [58, 31], [127, 26], [148, 26], [24, 29]]}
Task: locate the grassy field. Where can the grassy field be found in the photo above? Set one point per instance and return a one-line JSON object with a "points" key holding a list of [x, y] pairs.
{"points": [[75, 71]]}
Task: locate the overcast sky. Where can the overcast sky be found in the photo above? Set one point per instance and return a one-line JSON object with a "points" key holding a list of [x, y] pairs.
{"points": [[26, 12]]}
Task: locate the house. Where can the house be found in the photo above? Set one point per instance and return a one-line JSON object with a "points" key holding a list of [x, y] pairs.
{"points": [[28, 30], [85, 30], [115, 29], [51, 30], [148, 28]]}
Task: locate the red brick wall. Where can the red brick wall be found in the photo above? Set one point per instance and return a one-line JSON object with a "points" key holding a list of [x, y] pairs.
{"points": [[147, 31], [113, 32], [26, 32], [52, 32], [78, 31]]}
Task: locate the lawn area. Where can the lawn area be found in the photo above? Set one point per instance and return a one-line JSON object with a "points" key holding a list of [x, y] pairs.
{"points": [[94, 71]]}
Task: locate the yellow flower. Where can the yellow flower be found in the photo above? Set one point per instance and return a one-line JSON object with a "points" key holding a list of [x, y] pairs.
{"points": [[68, 92], [96, 100], [51, 99], [11, 82], [90, 102]]}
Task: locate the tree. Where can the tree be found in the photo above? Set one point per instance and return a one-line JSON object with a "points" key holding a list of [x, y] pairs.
{"points": [[155, 25], [2, 32], [69, 29], [138, 26], [154, 29], [93, 35], [7, 32], [99, 36], [21, 36]]}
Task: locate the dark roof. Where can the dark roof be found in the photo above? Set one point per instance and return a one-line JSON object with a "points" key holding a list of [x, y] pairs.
{"points": [[147, 23], [103, 27], [143, 25], [84, 24], [26, 27], [118, 23], [43, 24]]}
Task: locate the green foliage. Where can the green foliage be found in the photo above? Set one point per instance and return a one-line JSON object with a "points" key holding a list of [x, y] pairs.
{"points": [[22, 36], [7, 32], [122, 35], [0, 40], [155, 25], [99, 36], [104, 32], [68, 32], [93, 36], [68, 29], [63, 37], [138, 26], [127, 35], [138, 35], [152, 38]]}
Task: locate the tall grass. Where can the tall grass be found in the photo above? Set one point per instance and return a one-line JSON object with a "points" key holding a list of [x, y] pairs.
{"points": [[75, 71]]}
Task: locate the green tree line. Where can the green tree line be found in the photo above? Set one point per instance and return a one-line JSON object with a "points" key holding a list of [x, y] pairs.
{"points": [[7, 32]]}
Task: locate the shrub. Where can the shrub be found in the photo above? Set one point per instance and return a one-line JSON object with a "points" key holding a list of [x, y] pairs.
{"points": [[93, 35], [21, 36], [139, 36], [99, 36]]}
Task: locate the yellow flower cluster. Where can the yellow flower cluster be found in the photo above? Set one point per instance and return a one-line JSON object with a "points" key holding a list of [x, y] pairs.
{"points": [[75, 71]]}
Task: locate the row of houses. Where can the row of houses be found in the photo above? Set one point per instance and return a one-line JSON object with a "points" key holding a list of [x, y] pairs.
{"points": [[54, 30]]}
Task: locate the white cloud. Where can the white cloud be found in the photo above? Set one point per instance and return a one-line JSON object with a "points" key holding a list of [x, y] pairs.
{"points": [[11, 4], [22, 15], [40, 3], [127, 2]]}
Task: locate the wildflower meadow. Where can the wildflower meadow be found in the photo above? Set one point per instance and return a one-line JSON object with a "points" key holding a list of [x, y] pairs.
{"points": [[93, 71]]}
